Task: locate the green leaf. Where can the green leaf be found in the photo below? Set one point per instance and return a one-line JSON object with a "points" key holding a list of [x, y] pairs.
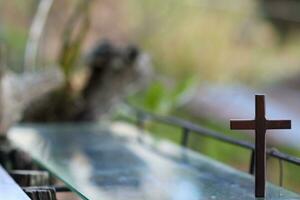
{"points": [[154, 96], [182, 89]]}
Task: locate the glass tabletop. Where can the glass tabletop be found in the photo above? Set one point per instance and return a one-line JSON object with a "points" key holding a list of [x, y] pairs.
{"points": [[116, 161]]}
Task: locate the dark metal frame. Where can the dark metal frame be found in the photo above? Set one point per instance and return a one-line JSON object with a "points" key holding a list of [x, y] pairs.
{"points": [[188, 128]]}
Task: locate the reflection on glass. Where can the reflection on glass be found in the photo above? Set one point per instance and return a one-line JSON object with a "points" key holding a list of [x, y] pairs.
{"points": [[109, 162]]}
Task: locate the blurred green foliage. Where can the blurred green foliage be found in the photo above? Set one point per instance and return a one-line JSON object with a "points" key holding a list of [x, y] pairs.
{"points": [[161, 98], [217, 40], [14, 39], [74, 37], [14, 26]]}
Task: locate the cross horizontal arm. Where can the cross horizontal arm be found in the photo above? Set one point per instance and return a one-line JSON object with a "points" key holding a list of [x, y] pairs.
{"points": [[242, 124], [278, 124]]}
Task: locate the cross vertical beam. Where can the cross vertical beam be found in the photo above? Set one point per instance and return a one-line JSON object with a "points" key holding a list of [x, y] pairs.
{"points": [[260, 124], [260, 146]]}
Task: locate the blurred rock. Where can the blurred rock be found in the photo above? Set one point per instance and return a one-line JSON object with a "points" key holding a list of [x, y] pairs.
{"points": [[113, 73], [18, 91], [27, 178], [41, 193]]}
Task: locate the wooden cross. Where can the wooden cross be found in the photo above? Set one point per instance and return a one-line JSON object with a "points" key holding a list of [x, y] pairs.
{"points": [[260, 124]]}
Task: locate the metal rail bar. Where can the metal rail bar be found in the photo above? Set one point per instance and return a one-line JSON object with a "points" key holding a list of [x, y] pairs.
{"points": [[185, 137], [191, 127], [252, 163]]}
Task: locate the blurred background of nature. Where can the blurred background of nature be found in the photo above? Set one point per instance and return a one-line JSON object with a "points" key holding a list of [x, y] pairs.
{"points": [[191, 42]]}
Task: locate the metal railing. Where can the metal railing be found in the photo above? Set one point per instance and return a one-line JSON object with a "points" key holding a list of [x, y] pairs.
{"points": [[190, 128]]}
